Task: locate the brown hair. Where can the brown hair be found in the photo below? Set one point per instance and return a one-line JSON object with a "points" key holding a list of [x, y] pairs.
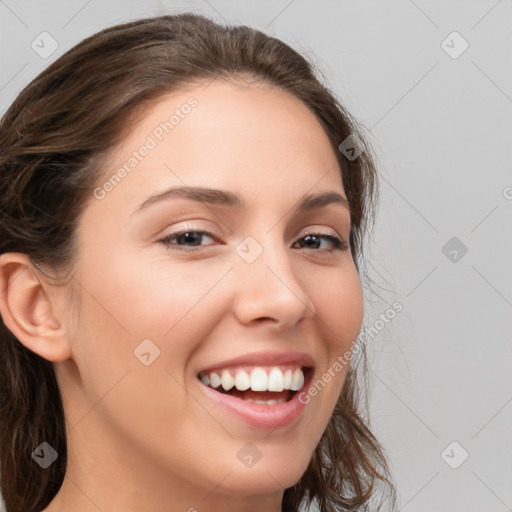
{"points": [[54, 141]]}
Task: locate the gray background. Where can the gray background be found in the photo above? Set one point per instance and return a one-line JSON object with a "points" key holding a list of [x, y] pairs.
{"points": [[441, 127]]}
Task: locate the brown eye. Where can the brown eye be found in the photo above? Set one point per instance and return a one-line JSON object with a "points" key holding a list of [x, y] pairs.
{"points": [[186, 238], [313, 240]]}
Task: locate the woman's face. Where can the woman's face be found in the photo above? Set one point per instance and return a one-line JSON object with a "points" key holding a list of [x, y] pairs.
{"points": [[254, 300]]}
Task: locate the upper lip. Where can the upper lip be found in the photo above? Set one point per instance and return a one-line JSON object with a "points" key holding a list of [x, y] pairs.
{"points": [[265, 359]]}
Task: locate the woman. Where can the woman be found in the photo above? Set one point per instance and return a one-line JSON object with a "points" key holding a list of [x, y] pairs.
{"points": [[180, 250]]}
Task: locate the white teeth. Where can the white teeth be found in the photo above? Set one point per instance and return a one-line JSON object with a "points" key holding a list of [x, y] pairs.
{"points": [[297, 380], [214, 380], [259, 380], [227, 380], [275, 380], [242, 380], [265, 402], [287, 380]]}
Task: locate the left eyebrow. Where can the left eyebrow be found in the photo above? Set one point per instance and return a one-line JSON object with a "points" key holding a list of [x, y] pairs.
{"points": [[233, 200]]}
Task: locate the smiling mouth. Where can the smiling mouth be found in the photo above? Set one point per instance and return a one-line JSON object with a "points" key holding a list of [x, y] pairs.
{"points": [[263, 385]]}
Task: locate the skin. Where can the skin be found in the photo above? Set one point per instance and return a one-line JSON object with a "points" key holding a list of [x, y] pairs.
{"points": [[146, 437]]}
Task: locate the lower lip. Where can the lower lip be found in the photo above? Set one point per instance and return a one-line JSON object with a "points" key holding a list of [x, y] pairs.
{"points": [[257, 415]]}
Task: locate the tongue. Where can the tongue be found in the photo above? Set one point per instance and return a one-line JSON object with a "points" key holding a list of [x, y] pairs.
{"points": [[260, 395]]}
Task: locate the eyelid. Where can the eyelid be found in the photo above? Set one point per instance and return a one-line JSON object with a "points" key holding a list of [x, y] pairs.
{"points": [[310, 230], [323, 231]]}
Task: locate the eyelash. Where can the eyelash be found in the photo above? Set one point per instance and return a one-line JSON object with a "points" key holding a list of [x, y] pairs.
{"points": [[339, 243]]}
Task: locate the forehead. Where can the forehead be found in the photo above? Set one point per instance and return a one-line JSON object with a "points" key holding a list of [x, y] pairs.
{"points": [[252, 138]]}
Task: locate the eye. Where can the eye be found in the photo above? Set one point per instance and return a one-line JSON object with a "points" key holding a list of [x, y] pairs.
{"points": [[185, 238], [312, 241], [191, 239]]}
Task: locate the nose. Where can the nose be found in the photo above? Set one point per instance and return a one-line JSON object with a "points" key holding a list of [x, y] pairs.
{"points": [[270, 289]]}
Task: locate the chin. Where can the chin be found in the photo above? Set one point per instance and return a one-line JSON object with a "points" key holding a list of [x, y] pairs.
{"points": [[253, 482], [269, 474]]}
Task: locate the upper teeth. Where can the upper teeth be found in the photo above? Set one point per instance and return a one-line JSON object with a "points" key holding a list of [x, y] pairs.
{"points": [[257, 379]]}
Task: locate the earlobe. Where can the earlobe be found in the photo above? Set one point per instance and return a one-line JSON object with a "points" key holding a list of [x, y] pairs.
{"points": [[26, 308]]}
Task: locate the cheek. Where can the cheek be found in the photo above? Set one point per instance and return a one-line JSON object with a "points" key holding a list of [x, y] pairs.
{"points": [[127, 303], [176, 305], [339, 306]]}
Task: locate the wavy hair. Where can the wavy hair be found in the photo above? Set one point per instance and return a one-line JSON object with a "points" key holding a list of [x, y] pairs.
{"points": [[54, 141]]}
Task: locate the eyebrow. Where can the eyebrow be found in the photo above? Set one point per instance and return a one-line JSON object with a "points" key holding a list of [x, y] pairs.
{"points": [[233, 200]]}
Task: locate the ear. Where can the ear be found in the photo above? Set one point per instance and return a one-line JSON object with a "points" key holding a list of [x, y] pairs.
{"points": [[26, 308]]}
